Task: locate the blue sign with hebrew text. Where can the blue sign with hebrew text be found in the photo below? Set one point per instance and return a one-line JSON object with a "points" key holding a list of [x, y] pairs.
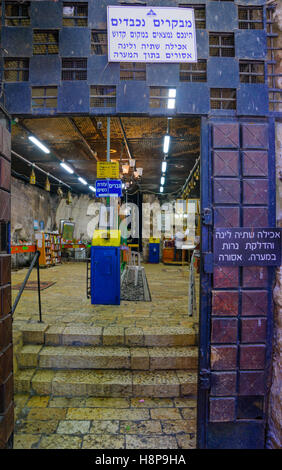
{"points": [[149, 34], [108, 188]]}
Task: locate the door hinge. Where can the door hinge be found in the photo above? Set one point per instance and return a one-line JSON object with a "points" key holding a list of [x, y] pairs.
{"points": [[207, 216], [208, 262], [205, 379]]}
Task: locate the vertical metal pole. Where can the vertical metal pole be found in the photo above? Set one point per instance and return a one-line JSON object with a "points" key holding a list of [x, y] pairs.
{"points": [[108, 152], [38, 288], [108, 138]]}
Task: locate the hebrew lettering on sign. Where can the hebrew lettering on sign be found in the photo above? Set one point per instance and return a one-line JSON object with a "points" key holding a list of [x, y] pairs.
{"points": [[161, 34], [247, 246]]}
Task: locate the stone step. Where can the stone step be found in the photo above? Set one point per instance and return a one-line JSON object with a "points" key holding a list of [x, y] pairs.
{"points": [[107, 383], [87, 335], [107, 357]]}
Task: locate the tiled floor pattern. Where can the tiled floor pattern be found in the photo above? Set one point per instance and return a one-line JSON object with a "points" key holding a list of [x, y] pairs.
{"points": [[46, 422]]}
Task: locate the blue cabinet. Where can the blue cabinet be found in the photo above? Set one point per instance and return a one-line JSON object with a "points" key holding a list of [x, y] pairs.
{"points": [[154, 252], [105, 275]]}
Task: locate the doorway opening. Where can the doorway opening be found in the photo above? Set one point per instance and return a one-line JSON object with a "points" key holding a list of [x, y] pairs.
{"points": [[141, 351]]}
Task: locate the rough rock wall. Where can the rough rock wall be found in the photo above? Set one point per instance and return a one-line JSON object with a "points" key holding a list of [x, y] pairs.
{"points": [[80, 211], [274, 435], [29, 203]]}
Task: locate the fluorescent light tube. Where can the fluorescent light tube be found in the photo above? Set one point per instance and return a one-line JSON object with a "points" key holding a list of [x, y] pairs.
{"points": [[38, 143], [82, 180], [67, 167], [166, 143], [162, 180], [161, 189], [164, 165], [92, 189]]}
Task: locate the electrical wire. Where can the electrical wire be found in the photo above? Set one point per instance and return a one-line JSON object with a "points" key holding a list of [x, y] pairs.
{"points": [[39, 169]]}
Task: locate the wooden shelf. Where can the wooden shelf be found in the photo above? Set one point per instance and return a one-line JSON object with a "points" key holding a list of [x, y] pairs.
{"points": [[46, 243]]}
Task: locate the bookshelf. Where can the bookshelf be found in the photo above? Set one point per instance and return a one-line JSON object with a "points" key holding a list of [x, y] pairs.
{"points": [[50, 246]]}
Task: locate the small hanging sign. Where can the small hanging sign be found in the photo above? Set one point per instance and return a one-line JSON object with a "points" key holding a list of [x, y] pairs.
{"points": [[107, 170], [108, 188]]}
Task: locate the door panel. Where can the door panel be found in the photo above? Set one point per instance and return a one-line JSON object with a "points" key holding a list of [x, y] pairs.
{"points": [[105, 275], [236, 309], [6, 349]]}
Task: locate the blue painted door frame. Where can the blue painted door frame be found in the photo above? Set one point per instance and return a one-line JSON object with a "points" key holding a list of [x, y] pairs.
{"points": [[236, 312]]}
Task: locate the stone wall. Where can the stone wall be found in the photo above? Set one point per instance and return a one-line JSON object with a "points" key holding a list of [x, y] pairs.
{"points": [[29, 203], [80, 210], [274, 434]]}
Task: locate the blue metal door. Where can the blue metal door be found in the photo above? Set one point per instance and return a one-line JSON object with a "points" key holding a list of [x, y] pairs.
{"points": [[105, 275], [238, 181], [154, 252]]}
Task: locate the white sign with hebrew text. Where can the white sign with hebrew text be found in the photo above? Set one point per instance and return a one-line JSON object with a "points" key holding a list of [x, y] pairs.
{"points": [[148, 34]]}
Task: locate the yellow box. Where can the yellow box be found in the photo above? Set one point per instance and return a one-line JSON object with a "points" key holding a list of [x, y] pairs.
{"points": [[154, 240], [106, 238]]}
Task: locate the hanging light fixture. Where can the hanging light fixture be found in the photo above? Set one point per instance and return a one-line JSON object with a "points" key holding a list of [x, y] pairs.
{"points": [[32, 178], [125, 169], [60, 192], [47, 184]]}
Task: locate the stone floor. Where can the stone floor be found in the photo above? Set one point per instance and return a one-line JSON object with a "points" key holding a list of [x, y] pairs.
{"points": [[66, 301], [104, 423], [44, 422]]}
